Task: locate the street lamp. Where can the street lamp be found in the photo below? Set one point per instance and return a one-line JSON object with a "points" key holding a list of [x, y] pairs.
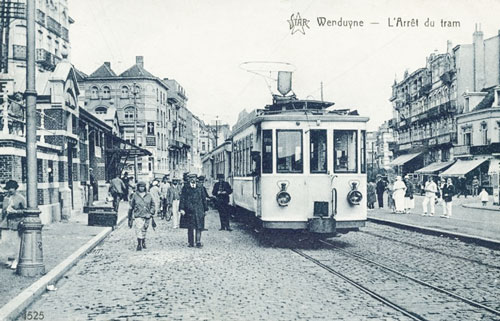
{"points": [[31, 254], [136, 170]]}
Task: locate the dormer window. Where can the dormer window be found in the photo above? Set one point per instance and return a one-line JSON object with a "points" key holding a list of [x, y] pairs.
{"points": [[106, 92], [124, 92], [94, 92]]}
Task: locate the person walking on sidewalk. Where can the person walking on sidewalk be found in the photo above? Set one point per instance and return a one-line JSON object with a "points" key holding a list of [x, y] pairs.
{"points": [[440, 196], [381, 186], [142, 209], [372, 195], [12, 215], [154, 190], [430, 196], [475, 186], [164, 185], [117, 188], [193, 206], [221, 191], [484, 197], [409, 201], [173, 198], [399, 195], [94, 185], [448, 191]]}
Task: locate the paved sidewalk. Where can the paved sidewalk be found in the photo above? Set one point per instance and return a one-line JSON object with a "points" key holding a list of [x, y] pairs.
{"points": [[60, 240], [468, 219]]}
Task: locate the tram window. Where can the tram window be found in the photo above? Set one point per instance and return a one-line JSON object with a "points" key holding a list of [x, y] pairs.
{"points": [[363, 151], [289, 144], [267, 151], [345, 147], [318, 151]]}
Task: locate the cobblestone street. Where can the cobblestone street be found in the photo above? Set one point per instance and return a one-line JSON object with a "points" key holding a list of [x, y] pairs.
{"points": [[230, 278], [237, 276]]}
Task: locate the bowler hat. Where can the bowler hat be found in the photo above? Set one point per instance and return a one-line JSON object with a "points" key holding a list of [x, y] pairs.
{"points": [[191, 175], [143, 183], [11, 184], [201, 178], [220, 176]]}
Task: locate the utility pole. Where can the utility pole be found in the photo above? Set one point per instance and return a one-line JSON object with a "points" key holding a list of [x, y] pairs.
{"points": [[31, 254], [321, 91], [216, 130], [136, 169]]}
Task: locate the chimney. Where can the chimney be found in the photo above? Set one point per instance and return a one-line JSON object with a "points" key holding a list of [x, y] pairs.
{"points": [[449, 46], [108, 64], [478, 56], [139, 61]]}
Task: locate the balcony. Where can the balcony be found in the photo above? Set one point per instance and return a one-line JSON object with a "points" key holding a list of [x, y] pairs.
{"points": [[46, 59], [462, 150], [40, 17], [392, 123], [493, 148], [19, 52], [65, 33], [54, 26]]}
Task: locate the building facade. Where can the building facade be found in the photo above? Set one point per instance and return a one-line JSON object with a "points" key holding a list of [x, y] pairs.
{"points": [[426, 103], [139, 101]]}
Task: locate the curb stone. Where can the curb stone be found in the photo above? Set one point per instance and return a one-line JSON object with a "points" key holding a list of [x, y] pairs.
{"points": [[486, 242], [481, 208], [18, 304]]}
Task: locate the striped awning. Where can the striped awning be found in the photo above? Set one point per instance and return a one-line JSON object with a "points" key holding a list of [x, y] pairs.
{"points": [[462, 167], [434, 167], [494, 166], [403, 159]]}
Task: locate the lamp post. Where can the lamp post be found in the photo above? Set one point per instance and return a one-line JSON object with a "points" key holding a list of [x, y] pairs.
{"points": [[31, 254], [136, 170]]}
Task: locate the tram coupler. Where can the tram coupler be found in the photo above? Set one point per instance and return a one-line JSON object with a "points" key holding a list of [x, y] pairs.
{"points": [[322, 225]]}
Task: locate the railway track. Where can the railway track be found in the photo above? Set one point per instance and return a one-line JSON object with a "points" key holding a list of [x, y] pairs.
{"points": [[422, 296], [430, 249]]}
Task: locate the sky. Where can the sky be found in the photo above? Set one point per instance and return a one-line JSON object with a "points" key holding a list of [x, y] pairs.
{"points": [[203, 43]]}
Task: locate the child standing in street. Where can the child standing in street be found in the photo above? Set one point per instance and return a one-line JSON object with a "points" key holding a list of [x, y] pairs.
{"points": [[484, 197]]}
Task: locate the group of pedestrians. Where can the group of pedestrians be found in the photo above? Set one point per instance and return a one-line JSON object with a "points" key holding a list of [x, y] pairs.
{"points": [[187, 204], [401, 195]]}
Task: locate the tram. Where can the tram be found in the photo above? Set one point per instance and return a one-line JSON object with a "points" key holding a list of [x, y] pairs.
{"points": [[297, 165]]}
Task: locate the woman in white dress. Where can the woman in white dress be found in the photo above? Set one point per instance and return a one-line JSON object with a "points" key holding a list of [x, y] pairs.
{"points": [[399, 195]]}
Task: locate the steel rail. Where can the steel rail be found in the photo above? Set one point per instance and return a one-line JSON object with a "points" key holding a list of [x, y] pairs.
{"points": [[373, 294], [456, 296], [430, 250]]}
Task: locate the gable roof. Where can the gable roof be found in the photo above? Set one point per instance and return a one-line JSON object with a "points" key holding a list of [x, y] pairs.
{"points": [[103, 71], [487, 101], [136, 71]]}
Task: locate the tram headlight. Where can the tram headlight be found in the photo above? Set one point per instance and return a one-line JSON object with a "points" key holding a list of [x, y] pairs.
{"points": [[283, 198], [354, 196]]}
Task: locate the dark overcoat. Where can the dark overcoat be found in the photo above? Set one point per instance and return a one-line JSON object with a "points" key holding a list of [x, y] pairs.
{"points": [[224, 197], [194, 203]]}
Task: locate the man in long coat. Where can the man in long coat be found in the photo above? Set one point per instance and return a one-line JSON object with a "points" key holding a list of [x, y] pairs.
{"points": [[221, 191], [193, 206], [380, 188]]}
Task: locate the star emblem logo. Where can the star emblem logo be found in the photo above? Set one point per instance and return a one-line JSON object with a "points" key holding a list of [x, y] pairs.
{"points": [[297, 23]]}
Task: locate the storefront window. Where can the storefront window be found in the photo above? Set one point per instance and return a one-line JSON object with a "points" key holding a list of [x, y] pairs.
{"points": [[318, 151], [289, 145], [267, 151], [345, 155]]}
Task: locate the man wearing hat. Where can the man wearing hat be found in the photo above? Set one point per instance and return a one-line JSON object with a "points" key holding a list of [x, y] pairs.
{"points": [[173, 197], [380, 188], [193, 206], [221, 191], [164, 185], [12, 215], [116, 188], [142, 209]]}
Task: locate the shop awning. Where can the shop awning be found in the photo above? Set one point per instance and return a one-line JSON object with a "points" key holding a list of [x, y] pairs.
{"points": [[434, 167], [462, 167], [494, 166], [403, 159]]}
